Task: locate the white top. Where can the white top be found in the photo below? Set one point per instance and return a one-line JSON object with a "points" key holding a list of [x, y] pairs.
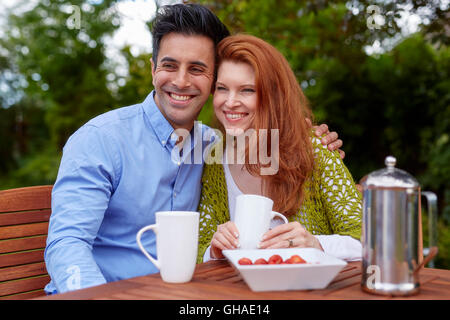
{"points": [[342, 247]]}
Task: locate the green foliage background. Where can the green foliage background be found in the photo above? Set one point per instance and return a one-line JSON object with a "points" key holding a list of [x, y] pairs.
{"points": [[54, 78]]}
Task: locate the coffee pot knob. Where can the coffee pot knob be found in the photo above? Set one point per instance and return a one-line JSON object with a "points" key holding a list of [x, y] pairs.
{"points": [[390, 161]]}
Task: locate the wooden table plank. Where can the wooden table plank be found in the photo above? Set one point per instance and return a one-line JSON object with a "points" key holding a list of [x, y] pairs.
{"points": [[217, 280], [95, 292]]}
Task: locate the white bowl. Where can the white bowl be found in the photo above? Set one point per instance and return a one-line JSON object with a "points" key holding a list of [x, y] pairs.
{"points": [[317, 273]]}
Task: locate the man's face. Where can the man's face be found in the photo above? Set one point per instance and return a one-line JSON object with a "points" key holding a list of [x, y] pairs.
{"points": [[183, 77]]}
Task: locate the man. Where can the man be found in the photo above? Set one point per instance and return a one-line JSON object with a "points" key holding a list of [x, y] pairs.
{"points": [[116, 170]]}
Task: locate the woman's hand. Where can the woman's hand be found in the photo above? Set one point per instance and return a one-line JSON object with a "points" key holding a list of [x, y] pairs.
{"points": [[289, 235], [226, 237]]}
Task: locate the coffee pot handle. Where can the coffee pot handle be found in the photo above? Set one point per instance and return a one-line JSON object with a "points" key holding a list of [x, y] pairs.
{"points": [[432, 252], [432, 225]]}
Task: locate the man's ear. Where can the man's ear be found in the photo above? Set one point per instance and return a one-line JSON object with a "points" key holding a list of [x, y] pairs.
{"points": [[153, 70]]}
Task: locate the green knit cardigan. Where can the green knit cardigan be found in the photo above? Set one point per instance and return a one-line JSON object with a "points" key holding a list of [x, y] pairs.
{"points": [[331, 205]]}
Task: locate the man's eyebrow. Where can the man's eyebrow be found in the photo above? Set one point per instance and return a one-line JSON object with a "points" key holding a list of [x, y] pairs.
{"points": [[169, 59], [199, 63]]}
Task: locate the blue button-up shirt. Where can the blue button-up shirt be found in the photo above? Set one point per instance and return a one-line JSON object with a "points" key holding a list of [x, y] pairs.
{"points": [[117, 171]]}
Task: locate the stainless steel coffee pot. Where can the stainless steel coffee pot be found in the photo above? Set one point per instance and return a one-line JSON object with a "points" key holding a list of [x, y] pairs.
{"points": [[391, 232]]}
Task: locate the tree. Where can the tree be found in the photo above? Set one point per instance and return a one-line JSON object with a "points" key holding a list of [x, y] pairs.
{"points": [[137, 84], [53, 59], [58, 49]]}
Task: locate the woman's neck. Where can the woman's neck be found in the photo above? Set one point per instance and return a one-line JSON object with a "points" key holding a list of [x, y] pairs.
{"points": [[247, 183]]}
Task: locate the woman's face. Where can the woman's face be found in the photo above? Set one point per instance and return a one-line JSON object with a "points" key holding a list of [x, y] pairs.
{"points": [[235, 97]]}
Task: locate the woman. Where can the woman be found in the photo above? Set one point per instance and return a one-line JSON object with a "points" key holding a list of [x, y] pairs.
{"points": [[256, 90]]}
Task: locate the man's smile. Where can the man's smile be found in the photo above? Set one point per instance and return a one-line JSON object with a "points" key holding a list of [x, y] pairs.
{"points": [[179, 97]]}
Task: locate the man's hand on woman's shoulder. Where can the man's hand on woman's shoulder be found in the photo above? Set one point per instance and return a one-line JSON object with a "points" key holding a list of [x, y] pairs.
{"points": [[331, 139]]}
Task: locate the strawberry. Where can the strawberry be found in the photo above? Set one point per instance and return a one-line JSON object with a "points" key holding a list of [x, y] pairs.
{"points": [[245, 261], [275, 259], [295, 259], [261, 261]]}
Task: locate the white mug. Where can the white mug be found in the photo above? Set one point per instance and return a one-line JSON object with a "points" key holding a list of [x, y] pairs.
{"points": [[176, 244], [252, 217]]}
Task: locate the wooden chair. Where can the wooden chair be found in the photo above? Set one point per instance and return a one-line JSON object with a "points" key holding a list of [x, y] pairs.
{"points": [[24, 216]]}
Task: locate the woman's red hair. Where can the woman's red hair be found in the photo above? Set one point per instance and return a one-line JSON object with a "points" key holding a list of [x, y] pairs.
{"points": [[281, 105]]}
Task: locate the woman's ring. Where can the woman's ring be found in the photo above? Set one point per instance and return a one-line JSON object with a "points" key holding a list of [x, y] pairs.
{"points": [[291, 243]]}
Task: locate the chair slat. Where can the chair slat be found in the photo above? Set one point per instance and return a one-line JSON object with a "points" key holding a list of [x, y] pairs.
{"points": [[29, 198], [23, 285], [25, 295], [19, 258], [23, 271], [23, 230], [24, 219], [15, 218], [15, 245]]}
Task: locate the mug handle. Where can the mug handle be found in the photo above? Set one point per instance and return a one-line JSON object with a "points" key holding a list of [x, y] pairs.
{"points": [[153, 227], [277, 214]]}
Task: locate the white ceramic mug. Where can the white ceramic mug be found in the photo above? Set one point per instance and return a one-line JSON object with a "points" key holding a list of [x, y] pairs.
{"points": [[253, 215], [176, 244]]}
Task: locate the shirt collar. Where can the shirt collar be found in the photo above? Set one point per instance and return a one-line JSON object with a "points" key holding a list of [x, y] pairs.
{"points": [[159, 123], [164, 129]]}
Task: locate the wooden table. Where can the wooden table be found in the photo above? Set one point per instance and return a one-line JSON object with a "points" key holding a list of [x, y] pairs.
{"points": [[217, 280]]}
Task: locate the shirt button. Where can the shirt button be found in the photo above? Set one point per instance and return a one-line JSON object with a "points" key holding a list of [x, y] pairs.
{"points": [[174, 194], [163, 142], [179, 163]]}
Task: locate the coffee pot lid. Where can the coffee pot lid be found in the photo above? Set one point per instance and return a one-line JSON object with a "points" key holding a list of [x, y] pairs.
{"points": [[389, 177]]}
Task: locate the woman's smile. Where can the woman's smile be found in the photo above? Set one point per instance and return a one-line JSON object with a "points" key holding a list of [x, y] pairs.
{"points": [[233, 116]]}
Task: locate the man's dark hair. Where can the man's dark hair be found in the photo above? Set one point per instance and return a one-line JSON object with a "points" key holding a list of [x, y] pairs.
{"points": [[187, 19]]}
